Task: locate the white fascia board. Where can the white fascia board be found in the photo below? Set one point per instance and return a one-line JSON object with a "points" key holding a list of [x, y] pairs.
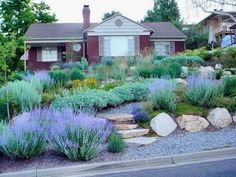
{"points": [[160, 40], [119, 34], [51, 41]]}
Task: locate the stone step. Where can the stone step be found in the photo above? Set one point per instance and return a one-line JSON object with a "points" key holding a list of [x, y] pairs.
{"points": [[133, 133], [126, 126], [119, 117]]}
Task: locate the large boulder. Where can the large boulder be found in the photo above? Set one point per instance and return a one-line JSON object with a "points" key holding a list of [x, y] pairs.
{"points": [[205, 72], [234, 118], [192, 123], [220, 118], [184, 71], [163, 124], [181, 82]]}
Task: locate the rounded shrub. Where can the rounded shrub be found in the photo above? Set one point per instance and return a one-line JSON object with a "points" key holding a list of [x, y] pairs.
{"points": [[76, 74], [141, 116], [116, 143], [60, 76], [188, 109], [79, 137]]}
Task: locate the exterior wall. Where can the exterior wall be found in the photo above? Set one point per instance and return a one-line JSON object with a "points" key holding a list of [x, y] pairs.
{"points": [[93, 49], [33, 64], [144, 42], [69, 48], [179, 46], [109, 27]]}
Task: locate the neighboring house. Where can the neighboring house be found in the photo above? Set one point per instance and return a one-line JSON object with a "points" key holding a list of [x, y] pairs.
{"points": [[117, 36], [233, 35], [220, 25]]}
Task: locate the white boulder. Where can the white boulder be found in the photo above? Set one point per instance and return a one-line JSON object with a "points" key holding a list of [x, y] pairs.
{"points": [[220, 118], [163, 124], [192, 123], [206, 71], [234, 118], [184, 71]]}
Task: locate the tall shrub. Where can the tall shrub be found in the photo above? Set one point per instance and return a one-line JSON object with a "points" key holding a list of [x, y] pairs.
{"points": [[80, 137], [23, 93], [162, 94], [24, 138], [200, 91]]}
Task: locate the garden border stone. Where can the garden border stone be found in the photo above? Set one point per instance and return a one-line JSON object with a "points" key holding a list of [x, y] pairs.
{"points": [[89, 169]]}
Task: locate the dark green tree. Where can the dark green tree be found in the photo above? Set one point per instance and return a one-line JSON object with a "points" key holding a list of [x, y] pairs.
{"points": [[15, 18], [194, 38], [109, 14], [17, 15], [164, 11]]}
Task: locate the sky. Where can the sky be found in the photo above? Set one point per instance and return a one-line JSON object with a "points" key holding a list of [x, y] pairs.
{"points": [[71, 10]]}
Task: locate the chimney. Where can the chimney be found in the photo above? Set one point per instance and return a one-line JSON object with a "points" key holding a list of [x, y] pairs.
{"points": [[86, 17]]}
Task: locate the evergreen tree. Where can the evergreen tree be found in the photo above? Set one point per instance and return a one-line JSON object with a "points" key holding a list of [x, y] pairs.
{"points": [[109, 14], [164, 11]]}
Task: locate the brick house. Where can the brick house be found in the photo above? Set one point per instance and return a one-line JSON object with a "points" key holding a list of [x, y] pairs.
{"points": [[116, 36]]}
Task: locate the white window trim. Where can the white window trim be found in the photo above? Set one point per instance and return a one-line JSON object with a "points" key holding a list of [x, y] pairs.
{"points": [[164, 47], [109, 51], [49, 54]]}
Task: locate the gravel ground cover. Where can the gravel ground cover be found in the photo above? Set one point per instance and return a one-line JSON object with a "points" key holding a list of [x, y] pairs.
{"points": [[176, 143]]}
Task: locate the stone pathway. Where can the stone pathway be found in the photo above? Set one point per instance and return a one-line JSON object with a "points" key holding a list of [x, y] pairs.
{"points": [[125, 125]]}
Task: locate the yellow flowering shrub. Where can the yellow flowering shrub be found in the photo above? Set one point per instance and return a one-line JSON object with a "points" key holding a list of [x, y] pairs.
{"points": [[76, 83], [90, 82]]}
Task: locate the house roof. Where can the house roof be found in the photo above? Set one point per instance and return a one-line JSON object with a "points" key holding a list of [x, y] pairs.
{"points": [[58, 31], [212, 15], [164, 30]]}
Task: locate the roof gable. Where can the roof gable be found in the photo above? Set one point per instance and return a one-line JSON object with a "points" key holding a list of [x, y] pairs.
{"points": [[119, 24]]}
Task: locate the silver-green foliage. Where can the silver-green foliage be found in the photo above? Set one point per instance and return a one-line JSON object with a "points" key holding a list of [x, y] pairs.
{"points": [[100, 99], [25, 94]]}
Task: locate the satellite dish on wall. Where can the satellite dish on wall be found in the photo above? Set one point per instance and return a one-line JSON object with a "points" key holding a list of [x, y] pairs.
{"points": [[226, 41], [76, 47]]}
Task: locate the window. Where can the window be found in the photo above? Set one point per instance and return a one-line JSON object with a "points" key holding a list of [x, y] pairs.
{"points": [[119, 46], [49, 54], [162, 48]]}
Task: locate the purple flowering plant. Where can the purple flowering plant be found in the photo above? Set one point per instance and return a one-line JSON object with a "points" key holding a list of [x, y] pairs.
{"points": [[79, 137], [23, 138], [162, 94], [200, 90]]}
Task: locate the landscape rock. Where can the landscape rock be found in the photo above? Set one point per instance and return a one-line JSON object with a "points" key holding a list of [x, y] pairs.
{"points": [[125, 126], [184, 71], [24, 115], [227, 73], [218, 66], [234, 118], [163, 124], [123, 117], [220, 118], [133, 133], [206, 71], [181, 81], [141, 140], [192, 123]]}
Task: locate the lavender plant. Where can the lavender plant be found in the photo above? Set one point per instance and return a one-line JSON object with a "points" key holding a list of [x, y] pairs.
{"points": [[162, 94], [80, 137], [200, 91], [24, 138]]}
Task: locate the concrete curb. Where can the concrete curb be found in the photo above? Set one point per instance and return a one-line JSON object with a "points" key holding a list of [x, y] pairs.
{"points": [[109, 167]]}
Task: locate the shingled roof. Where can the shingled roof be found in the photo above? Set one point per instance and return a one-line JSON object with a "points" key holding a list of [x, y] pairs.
{"points": [[75, 30], [164, 30]]}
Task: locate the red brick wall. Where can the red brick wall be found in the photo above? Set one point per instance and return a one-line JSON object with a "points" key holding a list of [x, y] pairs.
{"points": [[33, 64], [93, 49], [144, 42], [80, 53], [179, 46]]}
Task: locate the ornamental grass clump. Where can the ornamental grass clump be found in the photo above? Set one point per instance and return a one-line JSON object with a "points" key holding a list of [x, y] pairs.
{"points": [[80, 137], [201, 91], [24, 138], [162, 94], [116, 143]]}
